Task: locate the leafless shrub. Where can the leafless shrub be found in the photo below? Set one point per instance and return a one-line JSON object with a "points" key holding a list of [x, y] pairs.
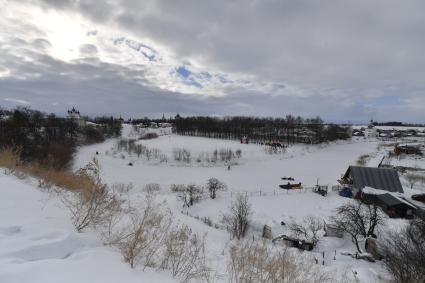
{"points": [[93, 204], [139, 150], [259, 262], [177, 188], [116, 214], [121, 188], [163, 158], [141, 239], [404, 253], [238, 153], [156, 152], [237, 220], [148, 154], [152, 188], [359, 220], [226, 154], [184, 255], [309, 229], [182, 154], [274, 149], [214, 185], [189, 194]]}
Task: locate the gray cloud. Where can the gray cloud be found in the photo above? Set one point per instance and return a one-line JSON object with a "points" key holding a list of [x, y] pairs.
{"points": [[350, 60], [329, 43]]}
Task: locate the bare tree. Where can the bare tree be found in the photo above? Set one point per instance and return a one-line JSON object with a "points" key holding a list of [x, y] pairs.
{"points": [[214, 185], [358, 220], [309, 229], [139, 150], [190, 194], [238, 153], [237, 221], [403, 252]]}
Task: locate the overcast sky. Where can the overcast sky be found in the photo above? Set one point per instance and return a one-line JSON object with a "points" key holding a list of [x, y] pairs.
{"points": [[343, 60]]}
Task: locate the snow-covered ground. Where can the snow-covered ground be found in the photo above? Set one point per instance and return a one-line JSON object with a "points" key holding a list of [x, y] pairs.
{"points": [[38, 243], [257, 174], [36, 236], [395, 128], [256, 170]]}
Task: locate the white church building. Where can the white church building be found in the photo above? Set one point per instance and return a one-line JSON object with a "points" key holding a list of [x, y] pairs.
{"points": [[74, 115]]}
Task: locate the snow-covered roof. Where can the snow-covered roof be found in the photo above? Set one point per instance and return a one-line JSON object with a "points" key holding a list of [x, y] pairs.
{"points": [[392, 200], [410, 145], [380, 178]]}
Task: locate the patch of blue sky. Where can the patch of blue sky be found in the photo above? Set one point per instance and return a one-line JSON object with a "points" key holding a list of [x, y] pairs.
{"points": [[183, 72]]}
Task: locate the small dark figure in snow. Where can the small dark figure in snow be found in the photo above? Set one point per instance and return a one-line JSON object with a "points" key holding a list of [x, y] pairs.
{"points": [[97, 152], [130, 164], [228, 168], [282, 223]]}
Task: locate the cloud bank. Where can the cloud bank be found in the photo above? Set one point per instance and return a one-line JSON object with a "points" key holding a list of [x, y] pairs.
{"points": [[344, 61]]}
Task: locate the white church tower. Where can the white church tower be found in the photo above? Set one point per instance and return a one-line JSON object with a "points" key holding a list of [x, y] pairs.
{"points": [[74, 115]]}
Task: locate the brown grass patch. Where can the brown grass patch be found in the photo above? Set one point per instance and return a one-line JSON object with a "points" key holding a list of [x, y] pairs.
{"points": [[48, 176]]}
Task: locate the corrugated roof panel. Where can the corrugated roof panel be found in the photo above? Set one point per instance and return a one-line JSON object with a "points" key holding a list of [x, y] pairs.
{"points": [[379, 178]]}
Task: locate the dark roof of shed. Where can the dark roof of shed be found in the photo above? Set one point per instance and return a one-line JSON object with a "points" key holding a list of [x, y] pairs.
{"points": [[378, 178], [390, 200]]}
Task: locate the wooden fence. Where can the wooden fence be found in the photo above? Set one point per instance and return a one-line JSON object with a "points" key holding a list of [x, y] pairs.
{"points": [[279, 192]]}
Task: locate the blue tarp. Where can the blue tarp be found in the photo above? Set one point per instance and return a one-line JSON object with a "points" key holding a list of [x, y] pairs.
{"points": [[346, 192]]}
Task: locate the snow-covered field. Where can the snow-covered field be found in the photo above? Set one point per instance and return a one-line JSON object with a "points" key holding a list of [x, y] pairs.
{"points": [[256, 170], [37, 241]]}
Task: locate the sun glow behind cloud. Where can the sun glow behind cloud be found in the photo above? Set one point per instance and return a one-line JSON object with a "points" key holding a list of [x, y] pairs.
{"points": [[153, 64], [64, 32]]}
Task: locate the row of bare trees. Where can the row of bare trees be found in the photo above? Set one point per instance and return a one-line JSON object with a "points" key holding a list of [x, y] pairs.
{"points": [[131, 147], [218, 155], [191, 193], [179, 154]]}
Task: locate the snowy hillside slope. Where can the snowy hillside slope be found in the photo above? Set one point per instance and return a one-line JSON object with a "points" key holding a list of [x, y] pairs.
{"points": [[39, 244]]}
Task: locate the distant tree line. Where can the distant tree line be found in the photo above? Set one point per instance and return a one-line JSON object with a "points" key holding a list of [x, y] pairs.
{"points": [[287, 130], [398, 124], [48, 138]]}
